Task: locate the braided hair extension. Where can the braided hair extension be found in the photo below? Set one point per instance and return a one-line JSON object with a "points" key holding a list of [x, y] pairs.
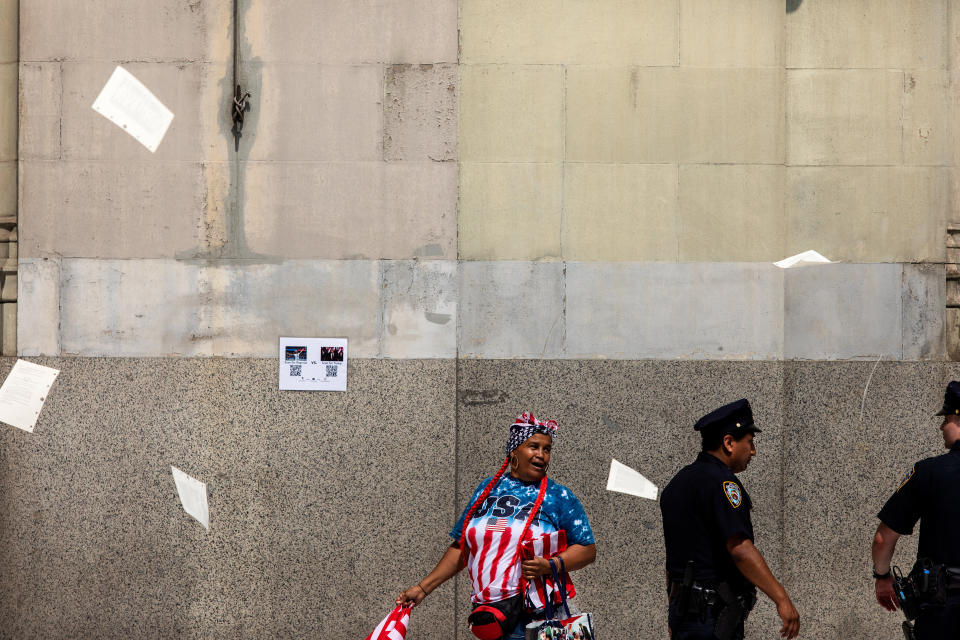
{"points": [[483, 496]]}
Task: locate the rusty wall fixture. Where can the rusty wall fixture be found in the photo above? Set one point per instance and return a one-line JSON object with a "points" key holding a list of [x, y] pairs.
{"points": [[8, 283], [953, 290], [9, 32], [240, 104]]}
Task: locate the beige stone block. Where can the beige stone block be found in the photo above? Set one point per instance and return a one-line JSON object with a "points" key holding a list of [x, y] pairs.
{"points": [[351, 210], [420, 112], [731, 213], [953, 214], [868, 214], [174, 307], [38, 298], [165, 30], [844, 117], [9, 28], [419, 305], [623, 115], [653, 115], [338, 32], [314, 112], [8, 188], [108, 209], [40, 94], [509, 211], [927, 135], [881, 34], [642, 32], [193, 92], [620, 212], [511, 113], [8, 111], [953, 121], [219, 222], [731, 33]]}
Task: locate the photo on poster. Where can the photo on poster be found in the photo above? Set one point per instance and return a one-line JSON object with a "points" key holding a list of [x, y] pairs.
{"points": [[331, 354], [296, 353]]}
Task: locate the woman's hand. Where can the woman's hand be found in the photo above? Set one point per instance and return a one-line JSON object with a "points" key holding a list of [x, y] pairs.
{"points": [[536, 567], [412, 596]]}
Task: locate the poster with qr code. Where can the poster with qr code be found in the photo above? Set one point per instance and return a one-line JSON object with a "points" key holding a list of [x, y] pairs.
{"points": [[313, 364]]}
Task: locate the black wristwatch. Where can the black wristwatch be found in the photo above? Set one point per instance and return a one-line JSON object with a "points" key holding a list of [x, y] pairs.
{"points": [[880, 576]]}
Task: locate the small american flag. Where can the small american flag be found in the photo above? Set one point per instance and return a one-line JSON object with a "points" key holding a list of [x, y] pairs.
{"points": [[394, 626], [497, 524]]}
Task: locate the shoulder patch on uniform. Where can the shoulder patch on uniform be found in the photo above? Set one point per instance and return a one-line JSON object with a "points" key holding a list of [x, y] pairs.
{"points": [[907, 477], [732, 491]]}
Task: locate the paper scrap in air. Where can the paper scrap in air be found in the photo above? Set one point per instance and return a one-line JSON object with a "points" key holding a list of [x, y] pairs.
{"points": [[802, 259], [127, 103], [193, 496], [24, 392], [625, 480]]}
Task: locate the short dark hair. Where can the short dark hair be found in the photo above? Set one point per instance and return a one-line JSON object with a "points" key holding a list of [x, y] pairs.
{"points": [[712, 441]]}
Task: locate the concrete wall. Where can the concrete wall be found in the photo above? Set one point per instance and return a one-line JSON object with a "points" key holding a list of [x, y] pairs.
{"points": [[549, 160], [323, 506]]}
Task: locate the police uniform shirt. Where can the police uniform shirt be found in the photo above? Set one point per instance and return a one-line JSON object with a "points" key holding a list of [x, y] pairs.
{"points": [[702, 507], [930, 493]]}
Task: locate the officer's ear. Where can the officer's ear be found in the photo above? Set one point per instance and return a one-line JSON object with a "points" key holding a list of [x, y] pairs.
{"points": [[727, 444]]}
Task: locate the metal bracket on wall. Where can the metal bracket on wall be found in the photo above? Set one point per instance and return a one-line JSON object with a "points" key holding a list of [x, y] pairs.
{"points": [[239, 106], [8, 284], [952, 268]]}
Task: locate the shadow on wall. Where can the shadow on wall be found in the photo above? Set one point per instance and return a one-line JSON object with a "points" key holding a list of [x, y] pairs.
{"points": [[793, 5]]}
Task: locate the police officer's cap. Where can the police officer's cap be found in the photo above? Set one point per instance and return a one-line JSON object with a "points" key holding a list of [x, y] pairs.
{"points": [[733, 418], [951, 400]]}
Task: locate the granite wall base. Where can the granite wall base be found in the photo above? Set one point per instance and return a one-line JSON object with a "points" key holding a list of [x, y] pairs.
{"points": [[324, 505]]}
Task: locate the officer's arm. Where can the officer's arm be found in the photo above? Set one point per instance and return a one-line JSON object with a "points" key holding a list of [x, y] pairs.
{"points": [[884, 544], [754, 568]]}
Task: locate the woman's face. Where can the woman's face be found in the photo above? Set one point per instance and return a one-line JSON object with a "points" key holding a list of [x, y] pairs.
{"points": [[532, 458]]}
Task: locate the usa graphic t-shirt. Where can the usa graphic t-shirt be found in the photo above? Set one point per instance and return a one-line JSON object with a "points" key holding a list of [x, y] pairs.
{"points": [[495, 528]]}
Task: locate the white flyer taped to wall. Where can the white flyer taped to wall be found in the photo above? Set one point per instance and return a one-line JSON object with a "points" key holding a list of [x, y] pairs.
{"points": [[313, 364], [193, 496], [127, 103], [24, 392]]}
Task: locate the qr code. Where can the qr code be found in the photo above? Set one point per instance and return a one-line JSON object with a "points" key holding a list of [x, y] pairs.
{"points": [[332, 370], [295, 369]]}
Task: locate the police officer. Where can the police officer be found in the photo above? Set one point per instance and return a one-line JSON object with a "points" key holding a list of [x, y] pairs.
{"points": [[930, 493], [713, 568]]}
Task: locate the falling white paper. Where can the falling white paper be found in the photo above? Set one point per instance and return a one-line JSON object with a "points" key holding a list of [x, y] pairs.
{"points": [[625, 480], [130, 105], [24, 392], [193, 496], [802, 259]]}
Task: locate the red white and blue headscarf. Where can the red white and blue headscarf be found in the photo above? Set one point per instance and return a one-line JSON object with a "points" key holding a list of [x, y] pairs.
{"points": [[527, 425]]}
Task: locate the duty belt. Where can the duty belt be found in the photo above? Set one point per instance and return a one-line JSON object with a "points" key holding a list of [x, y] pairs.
{"points": [[702, 597], [953, 578]]}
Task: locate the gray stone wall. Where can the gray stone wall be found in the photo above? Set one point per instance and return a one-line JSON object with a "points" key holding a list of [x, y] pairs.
{"points": [[324, 505]]}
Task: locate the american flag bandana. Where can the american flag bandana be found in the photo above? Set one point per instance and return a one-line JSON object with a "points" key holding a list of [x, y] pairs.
{"points": [[525, 426], [394, 626]]}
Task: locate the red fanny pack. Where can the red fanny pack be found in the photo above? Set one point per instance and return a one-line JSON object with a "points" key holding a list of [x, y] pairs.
{"points": [[497, 619]]}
